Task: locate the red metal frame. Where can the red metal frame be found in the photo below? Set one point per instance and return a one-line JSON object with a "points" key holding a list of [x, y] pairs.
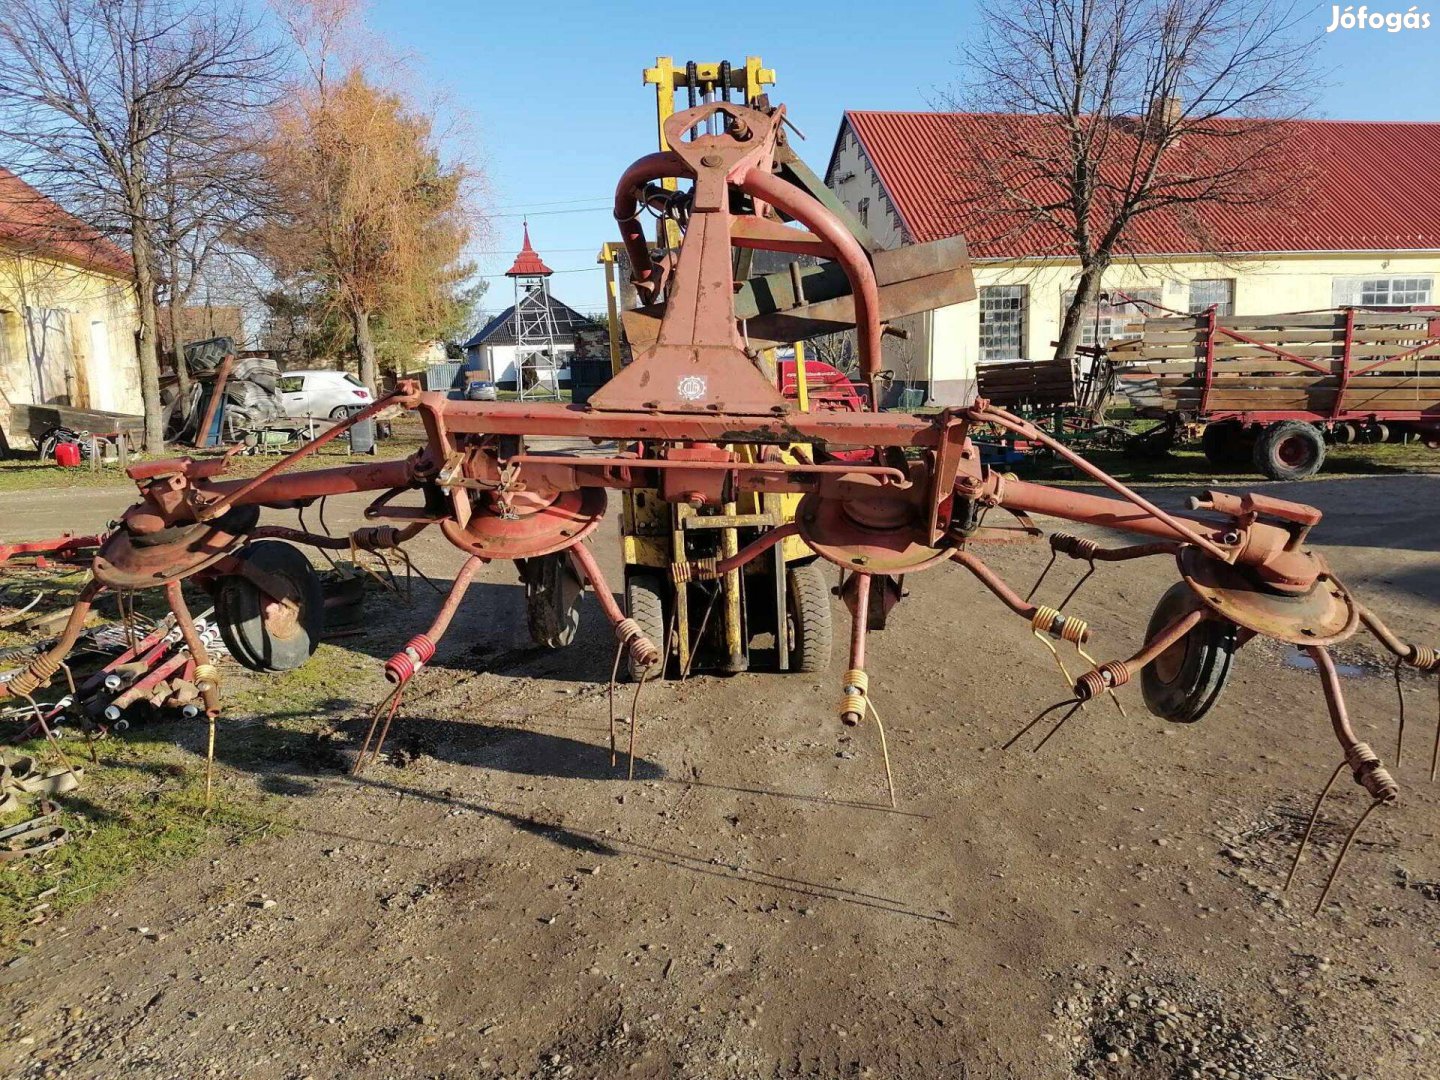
{"points": [[911, 495]]}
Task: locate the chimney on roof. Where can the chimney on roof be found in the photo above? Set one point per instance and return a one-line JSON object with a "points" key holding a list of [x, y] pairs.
{"points": [[1164, 114]]}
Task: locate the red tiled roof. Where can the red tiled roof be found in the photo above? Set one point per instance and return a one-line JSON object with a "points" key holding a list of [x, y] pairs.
{"points": [[1353, 186], [528, 263], [31, 222]]}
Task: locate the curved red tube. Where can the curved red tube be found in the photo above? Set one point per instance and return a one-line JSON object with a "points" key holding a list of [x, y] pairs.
{"points": [[657, 166]]}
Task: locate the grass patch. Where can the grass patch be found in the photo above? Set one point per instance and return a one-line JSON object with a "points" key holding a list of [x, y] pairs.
{"points": [[1187, 465], [141, 808]]}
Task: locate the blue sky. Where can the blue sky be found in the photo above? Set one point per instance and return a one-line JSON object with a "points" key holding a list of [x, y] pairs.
{"points": [[552, 98]]}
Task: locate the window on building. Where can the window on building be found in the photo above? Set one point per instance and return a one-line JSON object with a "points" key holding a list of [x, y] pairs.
{"points": [[1382, 291], [1218, 293], [862, 210], [1002, 322], [1113, 316]]}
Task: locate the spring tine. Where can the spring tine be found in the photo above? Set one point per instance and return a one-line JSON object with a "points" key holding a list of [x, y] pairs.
{"points": [[1040, 716], [360, 759], [1060, 663], [1110, 689], [884, 751], [384, 731], [1435, 751], [614, 673], [1083, 578], [1310, 826], [1041, 578], [635, 720], [1058, 725], [1340, 859], [1400, 735], [700, 634], [209, 758]]}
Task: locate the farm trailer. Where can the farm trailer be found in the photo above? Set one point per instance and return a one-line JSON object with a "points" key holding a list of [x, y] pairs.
{"points": [[1271, 389]]}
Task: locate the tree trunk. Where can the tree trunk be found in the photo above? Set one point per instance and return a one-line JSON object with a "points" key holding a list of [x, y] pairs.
{"points": [[365, 346], [178, 347], [1086, 291], [149, 353]]}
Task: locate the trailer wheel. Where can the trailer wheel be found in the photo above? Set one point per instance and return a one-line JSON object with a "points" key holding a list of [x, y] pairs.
{"points": [[808, 619], [1345, 434], [552, 599], [1289, 450], [1184, 681], [265, 632], [1224, 444], [645, 603]]}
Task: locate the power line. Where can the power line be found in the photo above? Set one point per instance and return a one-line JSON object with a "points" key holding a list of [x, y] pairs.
{"points": [[552, 213], [555, 202]]}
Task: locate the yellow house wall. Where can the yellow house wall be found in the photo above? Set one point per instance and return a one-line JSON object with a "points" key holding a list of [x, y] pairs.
{"points": [[1264, 285], [85, 297]]}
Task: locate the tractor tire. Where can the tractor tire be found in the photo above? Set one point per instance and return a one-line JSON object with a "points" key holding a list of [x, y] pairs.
{"points": [[645, 603], [1184, 682], [552, 600], [1224, 444], [808, 617], [263, 635], [1289, 450]]}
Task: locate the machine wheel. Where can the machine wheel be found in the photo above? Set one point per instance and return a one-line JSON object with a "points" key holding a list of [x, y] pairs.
{"points": [[1185, 680], [1289, 450], [808, 619], [263, 632], [1345, 434], [1224, 444], [340, 412], [645, 603], [552, 600]]}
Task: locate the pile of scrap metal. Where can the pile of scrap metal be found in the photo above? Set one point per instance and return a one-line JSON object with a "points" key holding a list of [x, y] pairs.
{"points": [[230, 396], [700, 423], [114, 673]]}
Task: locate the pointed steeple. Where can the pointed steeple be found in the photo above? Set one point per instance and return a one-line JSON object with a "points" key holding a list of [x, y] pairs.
{"points": [[528, 263]]}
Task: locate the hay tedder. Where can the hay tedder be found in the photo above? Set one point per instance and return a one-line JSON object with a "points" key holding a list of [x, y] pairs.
{"points": [[698, 421]]}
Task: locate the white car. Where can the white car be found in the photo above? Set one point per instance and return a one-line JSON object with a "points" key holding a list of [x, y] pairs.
{"points": [[335, 394]]}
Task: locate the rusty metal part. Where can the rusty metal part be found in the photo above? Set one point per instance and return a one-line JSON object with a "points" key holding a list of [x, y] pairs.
{"points": [[67, 548], [40, 670], [710, 569], [554, 526], [1117, 673], [1322, 616], [852, 709], [832, 530], [128, 561]]}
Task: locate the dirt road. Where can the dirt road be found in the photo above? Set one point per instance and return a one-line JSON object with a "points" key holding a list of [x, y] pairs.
{"points": [[505, 904]]}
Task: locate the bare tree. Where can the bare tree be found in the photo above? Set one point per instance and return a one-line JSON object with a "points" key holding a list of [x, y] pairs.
{"points": [[94, 93], [1116, 113]]}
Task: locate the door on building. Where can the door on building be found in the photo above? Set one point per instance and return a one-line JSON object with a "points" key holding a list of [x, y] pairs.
{"points": [[102, 378], [52, 370]]}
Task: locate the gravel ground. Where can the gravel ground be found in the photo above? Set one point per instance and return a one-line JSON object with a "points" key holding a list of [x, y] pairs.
{"points": [[496, 901]]}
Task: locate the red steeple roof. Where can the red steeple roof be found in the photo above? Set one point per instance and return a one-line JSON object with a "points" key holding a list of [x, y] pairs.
{"points": [[528, 263]]}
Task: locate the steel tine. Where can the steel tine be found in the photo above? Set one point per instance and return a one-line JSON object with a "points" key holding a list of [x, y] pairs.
{"points": [[1310, 826]]}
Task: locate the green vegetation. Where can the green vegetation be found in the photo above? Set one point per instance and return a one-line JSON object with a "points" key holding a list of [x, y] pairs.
{"points": [[141, 807]]}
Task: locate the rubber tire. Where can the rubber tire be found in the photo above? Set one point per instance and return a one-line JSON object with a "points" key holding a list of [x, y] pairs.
{"points": [[645, 603], [810, 621], [1268, 461], [552, 600], [1224, 444], [1209, 650], [340, 412], [1345, 434], [238, 611]]}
